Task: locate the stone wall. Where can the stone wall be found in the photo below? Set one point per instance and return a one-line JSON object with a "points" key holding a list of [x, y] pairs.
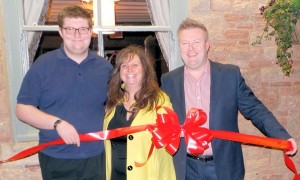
{"points": [[233, 25]]}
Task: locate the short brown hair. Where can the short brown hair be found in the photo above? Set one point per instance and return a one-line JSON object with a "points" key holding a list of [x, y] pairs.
{"points": [[189, 23], [74, 12]]}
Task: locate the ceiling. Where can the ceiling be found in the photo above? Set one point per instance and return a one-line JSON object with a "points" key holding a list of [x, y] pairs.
{"points": [[126, 11]]}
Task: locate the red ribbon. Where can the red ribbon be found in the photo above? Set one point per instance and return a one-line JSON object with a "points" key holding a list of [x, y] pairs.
{"points": [[96, 136], [167, 133]]}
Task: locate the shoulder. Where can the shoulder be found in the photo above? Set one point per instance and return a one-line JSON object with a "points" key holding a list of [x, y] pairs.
{"points": [[163, 99], [172, 77], [45, 61], [163, 96], [49, 57], [224, 70], [175, 72], [224, 67], [102, 61]]}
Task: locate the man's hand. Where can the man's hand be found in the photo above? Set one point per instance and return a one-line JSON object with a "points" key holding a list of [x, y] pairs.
{"points": [[294, 146], [68, 133]]}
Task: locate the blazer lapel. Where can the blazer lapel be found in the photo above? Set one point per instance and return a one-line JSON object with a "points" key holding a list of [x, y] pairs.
{"points": [[180, 95], [215, 91]]}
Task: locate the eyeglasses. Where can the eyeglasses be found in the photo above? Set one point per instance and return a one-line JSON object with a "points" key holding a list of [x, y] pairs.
{"points": [[71, 30]]}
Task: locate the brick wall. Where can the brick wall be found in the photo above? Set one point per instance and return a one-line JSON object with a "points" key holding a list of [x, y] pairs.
{"points": [[233, 25]]}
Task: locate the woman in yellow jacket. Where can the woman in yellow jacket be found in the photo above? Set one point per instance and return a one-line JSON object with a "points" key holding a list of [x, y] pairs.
{"points": [[133, 95]]}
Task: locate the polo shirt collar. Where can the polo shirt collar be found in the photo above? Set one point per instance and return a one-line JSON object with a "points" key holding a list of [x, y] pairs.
{"points": [[62, 55]]}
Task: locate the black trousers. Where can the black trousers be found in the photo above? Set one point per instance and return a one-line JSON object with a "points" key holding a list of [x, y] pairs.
{"points": [[72, 169]]}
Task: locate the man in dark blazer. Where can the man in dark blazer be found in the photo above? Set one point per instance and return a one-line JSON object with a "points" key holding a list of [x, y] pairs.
{"points": [[228, 95]]}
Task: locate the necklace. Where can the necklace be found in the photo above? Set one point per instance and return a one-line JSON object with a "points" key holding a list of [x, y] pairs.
{"points": [[128, 111]]}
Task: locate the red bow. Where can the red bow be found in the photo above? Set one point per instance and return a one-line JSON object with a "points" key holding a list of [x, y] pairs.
{"points": [[167, 131], [196, 137]]}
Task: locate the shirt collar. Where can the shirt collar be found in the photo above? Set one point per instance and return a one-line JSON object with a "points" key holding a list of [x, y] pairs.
{"points": [[206, 70], [62, 55]]}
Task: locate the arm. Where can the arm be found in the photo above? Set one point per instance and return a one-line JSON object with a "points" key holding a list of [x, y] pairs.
{"points": [[262, 118], [38, 119]]}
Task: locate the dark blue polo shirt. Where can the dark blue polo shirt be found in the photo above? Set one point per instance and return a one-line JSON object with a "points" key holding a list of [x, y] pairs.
{"points": [[73, 92]]}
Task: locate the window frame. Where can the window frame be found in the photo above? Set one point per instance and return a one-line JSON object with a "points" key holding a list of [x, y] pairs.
{"points": [[14, 27]]}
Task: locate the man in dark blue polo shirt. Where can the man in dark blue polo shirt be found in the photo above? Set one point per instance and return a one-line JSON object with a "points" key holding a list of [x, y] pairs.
{"points": [[63, 95]]}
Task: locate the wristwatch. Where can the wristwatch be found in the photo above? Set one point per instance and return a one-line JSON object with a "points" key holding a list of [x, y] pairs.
{"points": [[56, 123]]}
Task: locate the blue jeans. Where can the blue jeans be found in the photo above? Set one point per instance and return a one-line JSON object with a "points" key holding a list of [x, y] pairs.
{"points": [[199, 170]]}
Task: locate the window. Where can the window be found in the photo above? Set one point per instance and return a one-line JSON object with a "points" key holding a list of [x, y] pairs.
{"points": [[18, 63]]}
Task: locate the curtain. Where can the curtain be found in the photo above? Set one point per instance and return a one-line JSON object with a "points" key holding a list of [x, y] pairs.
{"points": [[159, 11], [34, 14]]}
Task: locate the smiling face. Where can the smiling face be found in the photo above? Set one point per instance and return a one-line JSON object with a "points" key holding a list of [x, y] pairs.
{"points": [[131, 72], [194, 46], [76, 45]]}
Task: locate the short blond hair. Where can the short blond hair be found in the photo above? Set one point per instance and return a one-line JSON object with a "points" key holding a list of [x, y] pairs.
{"points": [[190, 23]]}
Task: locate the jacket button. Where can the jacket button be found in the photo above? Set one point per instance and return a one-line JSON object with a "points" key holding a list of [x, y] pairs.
{"points": [[130, 137], [129, 168]]}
